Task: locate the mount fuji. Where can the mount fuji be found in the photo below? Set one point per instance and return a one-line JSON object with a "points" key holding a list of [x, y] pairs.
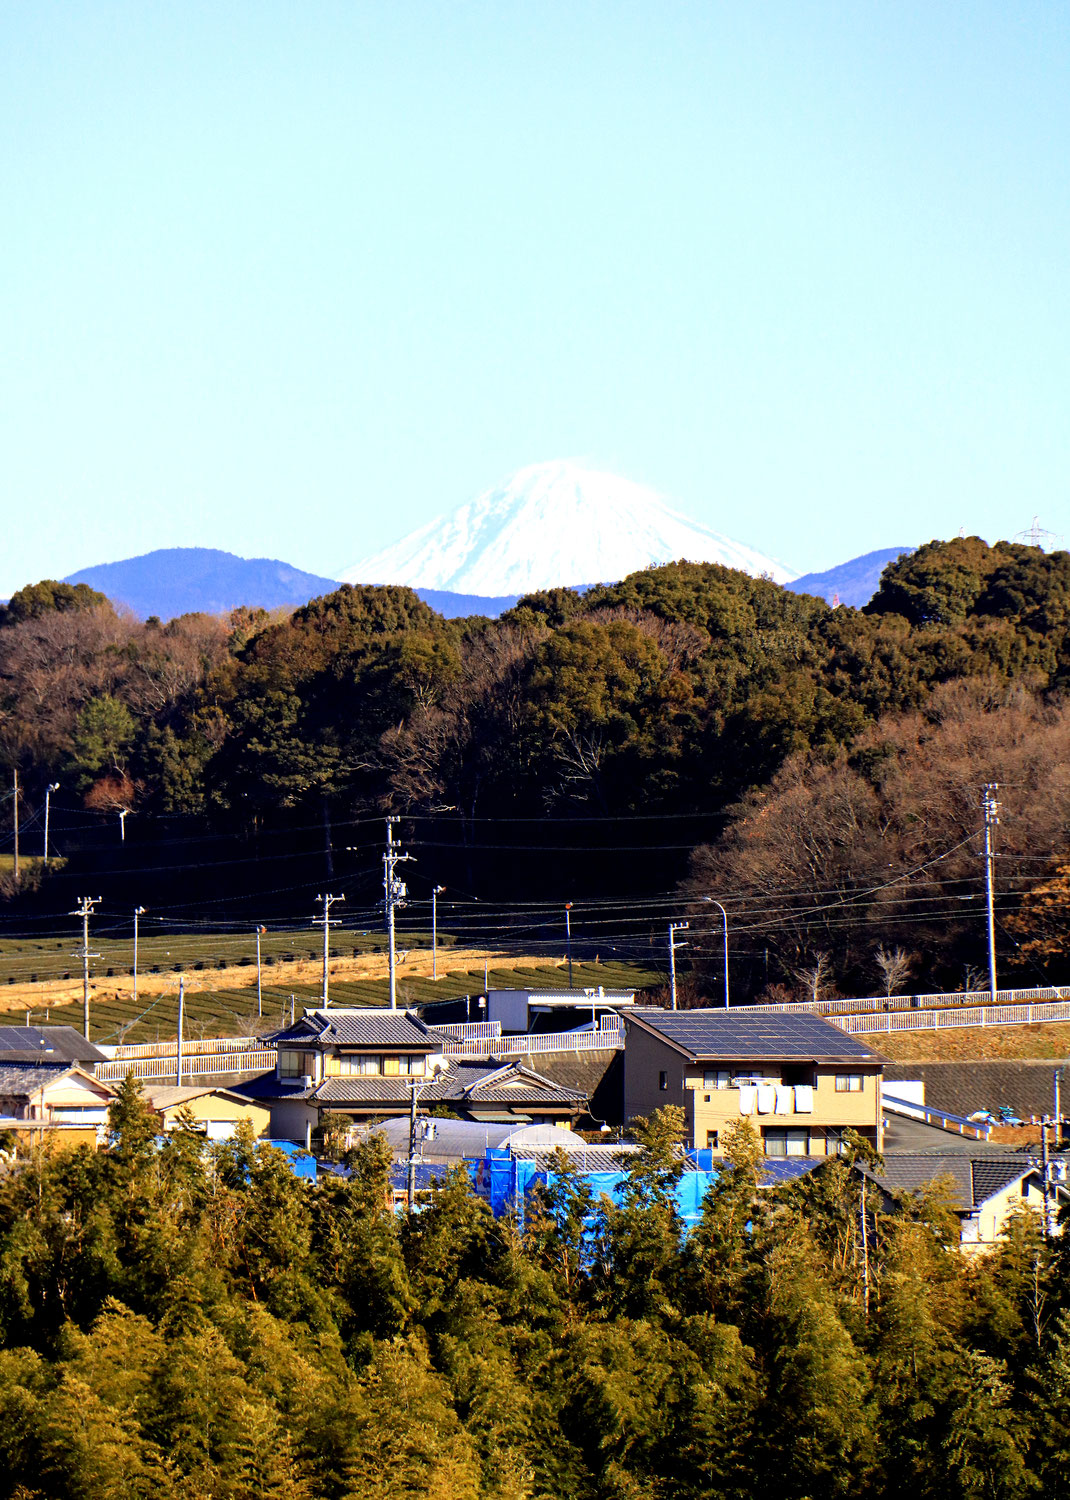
{"points": [[554, 523]]}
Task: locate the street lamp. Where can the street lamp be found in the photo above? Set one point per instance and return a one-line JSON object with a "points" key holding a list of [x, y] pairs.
{"points": [[436, 891], [53, 786], [139, 911], [568, 941], [724, 917]]}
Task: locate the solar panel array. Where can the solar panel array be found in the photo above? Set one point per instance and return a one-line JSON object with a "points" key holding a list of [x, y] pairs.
{"points": [[737, 1034]]}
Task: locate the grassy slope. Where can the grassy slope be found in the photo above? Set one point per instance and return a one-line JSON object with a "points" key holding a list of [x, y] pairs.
{"points": [[975, 1043]]}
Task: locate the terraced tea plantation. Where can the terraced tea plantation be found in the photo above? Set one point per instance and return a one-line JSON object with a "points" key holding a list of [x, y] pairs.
{"points": [[39, 960], [212, 1011]]}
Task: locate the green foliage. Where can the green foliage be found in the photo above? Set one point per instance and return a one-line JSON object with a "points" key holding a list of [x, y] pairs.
{"points": [[184, 1318], [48, 596]]}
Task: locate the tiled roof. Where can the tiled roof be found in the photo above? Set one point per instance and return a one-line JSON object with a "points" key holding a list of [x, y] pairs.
{"points": [[735, 1035], [465, 1083], [54, 1044], [270, 1086], [361, 1028], [976, 1179], [20, 1080]]}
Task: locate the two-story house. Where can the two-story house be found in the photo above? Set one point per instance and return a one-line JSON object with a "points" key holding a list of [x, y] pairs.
{"points": [[365, 1063], [800, 1080]]}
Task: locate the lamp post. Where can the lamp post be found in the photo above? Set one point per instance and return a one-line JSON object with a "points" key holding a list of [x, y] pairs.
{"points": [[53, 786], [436, 891], [724, 918], [139, 911], [124, 813], [568, 941]]}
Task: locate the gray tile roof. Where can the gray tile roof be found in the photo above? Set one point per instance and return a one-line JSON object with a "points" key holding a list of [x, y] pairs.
{"points": [[27, 1044], [397, 1029], [976, 1179], [465, 1083], [732, 1035], [20, 1080]]}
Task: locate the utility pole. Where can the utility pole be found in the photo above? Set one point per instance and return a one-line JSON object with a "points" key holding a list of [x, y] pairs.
{"points": [[674, 928], [1045, 1168], [15, 820], [394, 893], [568, 940], [436, 891], [259, 990], [85, 909], [53, 786], [415, 1087], [991, 812], [181, 1018], [327, 922], [139, 911]]}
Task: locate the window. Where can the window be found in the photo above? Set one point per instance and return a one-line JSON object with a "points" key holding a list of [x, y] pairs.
{"points": [[718, 1078], [835, 1142], [786, 1142], [358, 1065], [417, 1065], [663, 1082], [392, 1066], [848, 1083], [711, 1140], [296, 1064]]}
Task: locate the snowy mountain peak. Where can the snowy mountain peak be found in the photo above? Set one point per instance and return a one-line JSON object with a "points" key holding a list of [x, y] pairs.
{"points": [[554, 523]]}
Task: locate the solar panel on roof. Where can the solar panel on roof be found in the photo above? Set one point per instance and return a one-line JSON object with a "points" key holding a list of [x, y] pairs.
{"points": [[738, 1034]]}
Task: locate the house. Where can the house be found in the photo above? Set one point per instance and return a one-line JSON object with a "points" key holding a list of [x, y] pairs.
{"points": [[218, 1110], [48, 1044], [56, 1096], [801, 1081], [367, 1062], [984, 1189]]}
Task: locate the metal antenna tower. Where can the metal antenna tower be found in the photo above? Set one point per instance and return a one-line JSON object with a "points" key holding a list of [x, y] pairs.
{"points": [[85, 909], [394, 894], [326, 921], [991, 811], [1036, 536]]}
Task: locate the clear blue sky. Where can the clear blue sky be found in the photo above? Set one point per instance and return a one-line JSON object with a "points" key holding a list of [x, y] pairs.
{"points": [[290, 279]]}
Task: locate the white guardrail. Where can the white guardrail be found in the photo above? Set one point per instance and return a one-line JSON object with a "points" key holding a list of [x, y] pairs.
{"points": [[520, 1046], [937, 1020], [939, 1000], [190, 1048], [196, 1065]]}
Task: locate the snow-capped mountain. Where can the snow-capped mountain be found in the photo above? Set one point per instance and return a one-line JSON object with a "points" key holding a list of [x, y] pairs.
{"points": [[554, 523]]}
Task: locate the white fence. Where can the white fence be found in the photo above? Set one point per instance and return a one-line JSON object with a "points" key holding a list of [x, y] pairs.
{"points": [[938, 1020], [939, 1000], [469, 1031], [548, 1041], [190, 1048], [197, 1065]]}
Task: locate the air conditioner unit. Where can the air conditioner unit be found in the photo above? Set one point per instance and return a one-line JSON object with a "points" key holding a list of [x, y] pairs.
{"points": [[307, 1081]]}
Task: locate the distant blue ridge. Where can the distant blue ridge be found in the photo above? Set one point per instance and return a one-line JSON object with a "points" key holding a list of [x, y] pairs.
{"points": [[204, 580], [853, 582]]}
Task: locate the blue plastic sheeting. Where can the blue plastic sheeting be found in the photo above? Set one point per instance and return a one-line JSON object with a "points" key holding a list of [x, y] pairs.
{"points": [[301, 1163], [504, 1182]]}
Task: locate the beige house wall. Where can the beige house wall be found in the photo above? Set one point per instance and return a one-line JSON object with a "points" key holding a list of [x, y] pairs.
{"points": [[217, 1108], [647, 1057]]}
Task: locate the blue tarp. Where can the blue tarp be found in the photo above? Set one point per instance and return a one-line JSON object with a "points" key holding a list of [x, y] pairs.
{"points": [[504, 1181]]}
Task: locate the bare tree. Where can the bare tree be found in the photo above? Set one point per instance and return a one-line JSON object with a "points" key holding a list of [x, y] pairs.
{"points": [[816, 978], [894, 966]]}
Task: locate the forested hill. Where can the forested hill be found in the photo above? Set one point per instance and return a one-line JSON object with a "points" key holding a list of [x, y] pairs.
{"points": [[676, 693]]}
